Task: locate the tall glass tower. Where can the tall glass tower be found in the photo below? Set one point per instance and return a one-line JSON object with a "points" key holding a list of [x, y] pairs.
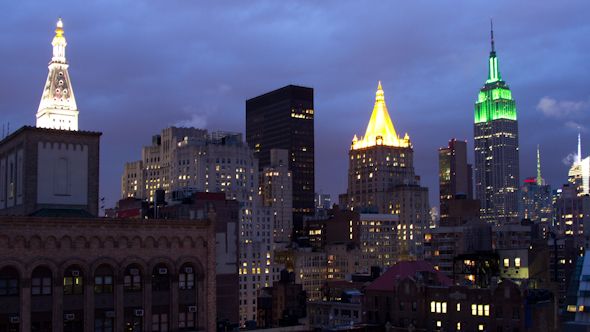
{"points": [[496, 148]]}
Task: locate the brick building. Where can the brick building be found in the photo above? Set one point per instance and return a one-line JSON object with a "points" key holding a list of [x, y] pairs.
{"points": [[82, 274], [407, 295], [214, 205]]}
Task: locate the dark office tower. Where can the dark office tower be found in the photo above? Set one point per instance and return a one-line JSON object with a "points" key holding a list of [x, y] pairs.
{"points": [[283, 119], [455, 174], [496, 148]]}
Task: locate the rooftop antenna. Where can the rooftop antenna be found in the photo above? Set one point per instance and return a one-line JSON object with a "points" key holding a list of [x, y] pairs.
{"points": [[492, 29], [579, 147]]}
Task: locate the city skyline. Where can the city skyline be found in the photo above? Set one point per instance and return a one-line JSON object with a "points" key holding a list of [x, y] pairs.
{"points": [[138, 70]]}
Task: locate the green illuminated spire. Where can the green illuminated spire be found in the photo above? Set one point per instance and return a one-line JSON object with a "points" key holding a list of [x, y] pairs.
{"points": [[494, 75], [538, 167], [495, 99]]}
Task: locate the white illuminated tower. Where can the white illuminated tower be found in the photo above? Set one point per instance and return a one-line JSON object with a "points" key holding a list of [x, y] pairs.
{"points": [[57, 109]]}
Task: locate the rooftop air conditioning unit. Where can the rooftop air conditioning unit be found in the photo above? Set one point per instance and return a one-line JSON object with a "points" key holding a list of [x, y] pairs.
{"points": [[69, 316], [192, 308], [14, 320], [188, 270], [75, 273], [163, 270], [109, 314], [138, 312], [134, 272]]}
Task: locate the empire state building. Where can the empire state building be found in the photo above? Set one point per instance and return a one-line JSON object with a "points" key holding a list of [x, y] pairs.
{"points": [[496, 148]]}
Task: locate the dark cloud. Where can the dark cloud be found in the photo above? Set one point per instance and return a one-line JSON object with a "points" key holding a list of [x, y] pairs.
{"points": [[139, 66]]}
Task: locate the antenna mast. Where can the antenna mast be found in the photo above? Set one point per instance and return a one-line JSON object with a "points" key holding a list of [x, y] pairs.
{"points": [[492, 29], [579, 147]]}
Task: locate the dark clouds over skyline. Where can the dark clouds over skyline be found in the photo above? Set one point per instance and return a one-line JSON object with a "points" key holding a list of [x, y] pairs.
{"points": [[140, 66]]}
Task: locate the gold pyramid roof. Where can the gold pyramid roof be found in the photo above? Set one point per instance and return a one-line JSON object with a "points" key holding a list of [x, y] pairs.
{"points": [[380, 130]]}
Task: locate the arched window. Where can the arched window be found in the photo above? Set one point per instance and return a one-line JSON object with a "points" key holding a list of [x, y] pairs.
{"points": [[73, 281], [132, 278], [9, 282], [103, 279], [186, 277], [41, 281], [160, 278]]}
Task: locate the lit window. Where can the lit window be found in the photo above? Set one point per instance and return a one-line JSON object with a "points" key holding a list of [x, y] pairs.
{"points": [[459, 307], [444, 307], [506, 262], [459, 326], [486, 309], [517, 262], [433, 306], [480, 327], [474, 310]]}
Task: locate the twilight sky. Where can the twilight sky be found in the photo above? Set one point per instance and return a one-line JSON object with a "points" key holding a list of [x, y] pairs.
{"points": [[140, 66]]}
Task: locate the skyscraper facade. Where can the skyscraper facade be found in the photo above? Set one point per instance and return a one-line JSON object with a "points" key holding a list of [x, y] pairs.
{"points": [[536, 199], [276, 191], [572, 207], [381, 174], [497, 176], [455, 174], [193, 159], [283, 119]]}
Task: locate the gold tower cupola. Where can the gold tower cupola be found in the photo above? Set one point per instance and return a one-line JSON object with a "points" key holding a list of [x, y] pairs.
{"points": [[380, 130]]}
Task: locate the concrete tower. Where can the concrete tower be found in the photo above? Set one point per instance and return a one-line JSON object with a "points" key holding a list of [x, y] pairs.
{"points": [[57, 109], [496, 148]]}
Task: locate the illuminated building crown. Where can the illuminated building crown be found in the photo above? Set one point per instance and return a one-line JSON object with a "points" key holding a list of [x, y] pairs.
{"points": [[495, 98], [58, 109], [380, 130]]}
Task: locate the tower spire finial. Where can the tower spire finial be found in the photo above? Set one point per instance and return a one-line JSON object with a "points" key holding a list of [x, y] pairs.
{"points": [[492, 29], [579, 147], [538, 167], [494, 75]]}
